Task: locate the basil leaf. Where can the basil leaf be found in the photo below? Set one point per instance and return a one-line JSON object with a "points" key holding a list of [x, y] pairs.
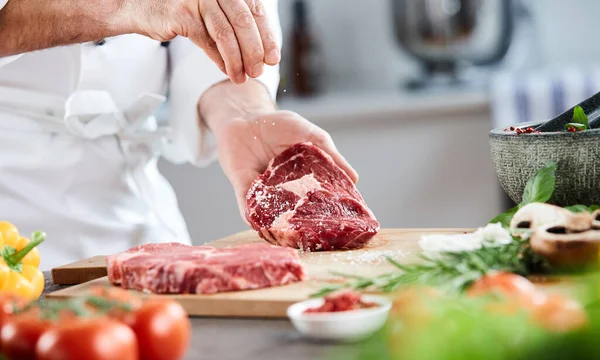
{"points": [[538, 189], [577, 126], [541, 186], [505, 217], [577, 208], [582, 208], [579, 116]]}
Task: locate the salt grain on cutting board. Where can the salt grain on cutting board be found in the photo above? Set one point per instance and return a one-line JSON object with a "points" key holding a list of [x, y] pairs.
{"points": [[372, 257]]}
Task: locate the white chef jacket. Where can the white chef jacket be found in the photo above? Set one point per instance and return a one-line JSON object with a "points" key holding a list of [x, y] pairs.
{"points": [[79, 143]]}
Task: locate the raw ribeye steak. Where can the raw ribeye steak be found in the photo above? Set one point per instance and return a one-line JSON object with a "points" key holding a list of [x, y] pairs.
{"points": [[305, 201], [173, 268]]}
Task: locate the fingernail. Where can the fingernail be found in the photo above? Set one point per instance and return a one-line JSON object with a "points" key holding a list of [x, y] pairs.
{"points": [[258, 70], [273, 56], [240, 78]]}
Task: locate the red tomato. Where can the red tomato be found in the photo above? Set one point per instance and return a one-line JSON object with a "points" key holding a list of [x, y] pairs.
{"points": [[162, 328], [509, 285], [9, 303], [19, 336], [90, 339], [560, 314]]}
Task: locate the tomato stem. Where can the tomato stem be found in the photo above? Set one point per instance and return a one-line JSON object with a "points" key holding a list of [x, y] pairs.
{"points": [[36, 238], [105, 305]]}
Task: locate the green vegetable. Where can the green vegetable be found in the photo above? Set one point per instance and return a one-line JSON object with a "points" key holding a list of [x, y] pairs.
{"points": [[580, 121], [506, 217], [578, 127], [459, 328], [582, 208], [579, 116], [541, 186], [538, 189], [453, 272]]}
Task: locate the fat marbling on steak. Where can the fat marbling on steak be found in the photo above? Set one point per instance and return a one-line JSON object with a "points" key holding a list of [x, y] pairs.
{"points": [[304, 200], [173, 268]]}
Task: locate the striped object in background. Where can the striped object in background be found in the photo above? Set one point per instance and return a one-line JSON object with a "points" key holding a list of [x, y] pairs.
{"points": [[540, 95]]}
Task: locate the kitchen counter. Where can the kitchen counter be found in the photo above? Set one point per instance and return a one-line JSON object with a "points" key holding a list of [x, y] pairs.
{"points": [[248, 339], [338, 108]]}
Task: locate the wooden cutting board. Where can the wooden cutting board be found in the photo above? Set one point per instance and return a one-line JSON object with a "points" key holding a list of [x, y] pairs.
{"points": [[400, 244]]}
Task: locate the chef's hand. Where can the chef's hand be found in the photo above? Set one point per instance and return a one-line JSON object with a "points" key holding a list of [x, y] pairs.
{"points": [[235, 34], [247, 144]]}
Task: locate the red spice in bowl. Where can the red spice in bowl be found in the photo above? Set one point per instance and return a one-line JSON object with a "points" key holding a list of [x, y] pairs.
{"points": [[342, 301]]}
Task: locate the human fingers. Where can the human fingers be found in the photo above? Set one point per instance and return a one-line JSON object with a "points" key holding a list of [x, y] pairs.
{"points": [[272, 53], [248, 37], [221, 31], [199, 35]]}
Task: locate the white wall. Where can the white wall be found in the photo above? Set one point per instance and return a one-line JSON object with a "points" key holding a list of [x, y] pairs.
{"points": [[569, 31]]}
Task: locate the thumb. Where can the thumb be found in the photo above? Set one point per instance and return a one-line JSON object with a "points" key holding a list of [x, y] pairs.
{"points": [[327, 145], [241, 183]]}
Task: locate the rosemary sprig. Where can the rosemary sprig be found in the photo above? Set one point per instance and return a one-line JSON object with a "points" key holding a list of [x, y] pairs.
{"points": [[454, 271]]}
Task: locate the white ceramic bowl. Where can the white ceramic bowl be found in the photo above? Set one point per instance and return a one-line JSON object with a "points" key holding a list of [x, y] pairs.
{"points": [[347, 326]]}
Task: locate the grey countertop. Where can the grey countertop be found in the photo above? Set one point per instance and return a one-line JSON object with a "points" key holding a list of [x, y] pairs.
{"points": [[248, 339]]}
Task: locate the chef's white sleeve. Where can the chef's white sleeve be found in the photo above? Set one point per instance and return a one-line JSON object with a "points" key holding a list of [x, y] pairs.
{"points": [[4, 60], [191, 74]]}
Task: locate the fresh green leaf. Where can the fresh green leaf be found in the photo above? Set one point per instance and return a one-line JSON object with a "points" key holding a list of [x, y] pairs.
{"points": [[577, 208], [579, 116], [7, 253], [582, 208], [541, 186], [578, 127], [505, 217]]}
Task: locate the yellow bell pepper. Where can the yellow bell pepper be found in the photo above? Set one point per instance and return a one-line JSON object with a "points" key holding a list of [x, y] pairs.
{"points": [[19, 262]]}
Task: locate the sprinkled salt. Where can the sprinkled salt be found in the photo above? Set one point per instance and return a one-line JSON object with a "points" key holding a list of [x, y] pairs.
{"points": [[373, 257]]}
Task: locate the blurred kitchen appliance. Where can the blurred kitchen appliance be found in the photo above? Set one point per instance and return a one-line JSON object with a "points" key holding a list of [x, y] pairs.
{"points": [[450, 37]]}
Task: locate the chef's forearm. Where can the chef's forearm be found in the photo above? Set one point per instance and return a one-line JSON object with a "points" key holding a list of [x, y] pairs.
{"points": [[226, 100], [29, 25]]}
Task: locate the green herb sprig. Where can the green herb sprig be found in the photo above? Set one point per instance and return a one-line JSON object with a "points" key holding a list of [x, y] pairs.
{"points": [[453, 271]]}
